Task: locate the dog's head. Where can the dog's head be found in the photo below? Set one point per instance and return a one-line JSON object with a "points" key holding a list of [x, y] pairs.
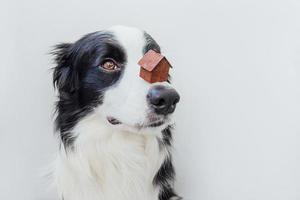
{"points": [[99, 74]]}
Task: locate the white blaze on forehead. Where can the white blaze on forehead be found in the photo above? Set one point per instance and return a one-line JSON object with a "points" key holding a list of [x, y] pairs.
{"points": [[126, 100], [133, 42], [132, 39]]}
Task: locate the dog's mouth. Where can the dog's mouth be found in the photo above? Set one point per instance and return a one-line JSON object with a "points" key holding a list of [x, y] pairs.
{"points": [[113, 121], [152, 123]]}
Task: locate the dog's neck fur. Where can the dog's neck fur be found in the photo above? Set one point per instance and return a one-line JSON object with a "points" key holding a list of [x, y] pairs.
{"points": [[108, 164]]}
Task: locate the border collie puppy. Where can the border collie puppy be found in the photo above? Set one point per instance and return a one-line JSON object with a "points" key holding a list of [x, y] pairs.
{"points": [[114, 127]]}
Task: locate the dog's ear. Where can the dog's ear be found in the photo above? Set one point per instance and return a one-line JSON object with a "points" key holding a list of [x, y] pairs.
{"points": [[64, 75]]}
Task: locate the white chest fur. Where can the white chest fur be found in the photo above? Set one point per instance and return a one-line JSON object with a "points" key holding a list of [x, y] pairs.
{"points": [[108, 165]]}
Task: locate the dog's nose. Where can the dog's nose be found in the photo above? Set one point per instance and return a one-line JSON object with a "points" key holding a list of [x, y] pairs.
{"points": [[163, 99]]}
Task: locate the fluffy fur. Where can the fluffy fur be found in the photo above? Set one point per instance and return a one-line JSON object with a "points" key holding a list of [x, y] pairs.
{"points": [[99, 160]]}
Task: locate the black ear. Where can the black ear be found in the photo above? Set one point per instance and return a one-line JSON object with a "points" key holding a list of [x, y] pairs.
{"points": [[64, 75]]}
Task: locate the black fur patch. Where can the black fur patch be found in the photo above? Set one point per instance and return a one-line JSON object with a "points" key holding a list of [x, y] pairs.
{"points": [[166, 193], [164, 179], [151, 44], [165, 174], [167, 136], [80, 81]]}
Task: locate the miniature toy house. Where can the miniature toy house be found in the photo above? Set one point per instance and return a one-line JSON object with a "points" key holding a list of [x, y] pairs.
{"points": [[154, 67]]}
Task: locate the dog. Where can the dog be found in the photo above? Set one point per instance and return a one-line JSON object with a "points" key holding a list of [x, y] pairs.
{"points": [[114, 128]]}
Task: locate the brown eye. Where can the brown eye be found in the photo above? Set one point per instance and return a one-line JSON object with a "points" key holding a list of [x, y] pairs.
{"points": [[110, 65]]}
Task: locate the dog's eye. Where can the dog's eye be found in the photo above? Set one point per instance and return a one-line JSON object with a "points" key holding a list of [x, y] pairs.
{"points": [[109, 65]]}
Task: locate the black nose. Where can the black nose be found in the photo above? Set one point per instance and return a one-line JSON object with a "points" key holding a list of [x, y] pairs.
{"points": [[163, 99]]}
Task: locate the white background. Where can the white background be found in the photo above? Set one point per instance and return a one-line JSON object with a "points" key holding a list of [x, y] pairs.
{"points": [[236, 65]]}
